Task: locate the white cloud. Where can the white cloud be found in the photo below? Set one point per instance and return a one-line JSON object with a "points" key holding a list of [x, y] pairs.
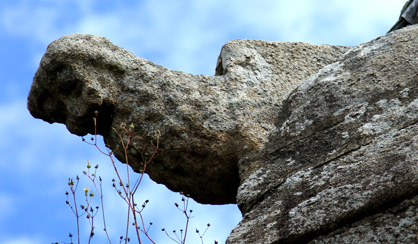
{"points": [[7, 203], [26, 19], [21, 132], [22, 240], [188, 35]]}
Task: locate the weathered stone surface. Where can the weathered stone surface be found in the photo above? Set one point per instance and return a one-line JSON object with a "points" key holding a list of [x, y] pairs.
{"points": [[398, 224], [343, 156], [323, 158], [207, 123]]}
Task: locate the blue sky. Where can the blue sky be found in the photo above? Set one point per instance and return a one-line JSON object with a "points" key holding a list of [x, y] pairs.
{"points": [[36, 158]]}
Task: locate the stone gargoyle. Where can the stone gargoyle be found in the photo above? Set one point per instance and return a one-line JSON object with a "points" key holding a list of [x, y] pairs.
{"points": [[315, 143]]}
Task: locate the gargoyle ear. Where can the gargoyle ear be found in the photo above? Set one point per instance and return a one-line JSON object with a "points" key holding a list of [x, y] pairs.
{"points": [[409, 15]]}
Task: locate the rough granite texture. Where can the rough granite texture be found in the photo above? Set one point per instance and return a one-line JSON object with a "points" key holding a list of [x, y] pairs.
{"points": [[344, 148], [315, 143], [397, 224], [207, 123]]}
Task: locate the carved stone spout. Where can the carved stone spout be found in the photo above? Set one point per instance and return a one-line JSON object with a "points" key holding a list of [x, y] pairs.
{"points": [[207, 123]]}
